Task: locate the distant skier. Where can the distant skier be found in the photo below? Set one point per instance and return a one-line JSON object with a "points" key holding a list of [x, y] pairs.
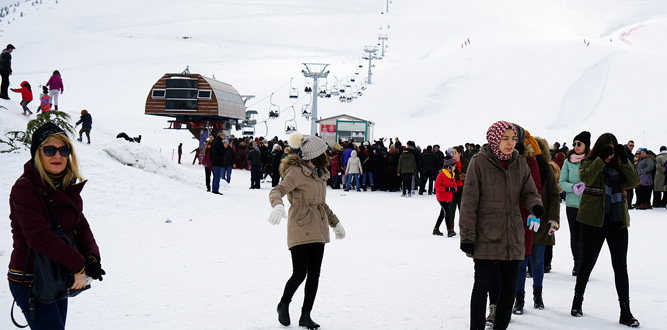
{"points": [[26, 97], [180, 152]]}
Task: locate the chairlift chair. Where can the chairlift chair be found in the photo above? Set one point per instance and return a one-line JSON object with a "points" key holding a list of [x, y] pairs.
{"points": [[293, 92], [274, 109], [248, 131]]}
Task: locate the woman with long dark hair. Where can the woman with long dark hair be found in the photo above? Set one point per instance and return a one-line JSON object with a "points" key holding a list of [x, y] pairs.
{"points": [[304, 182], [603, 214]]}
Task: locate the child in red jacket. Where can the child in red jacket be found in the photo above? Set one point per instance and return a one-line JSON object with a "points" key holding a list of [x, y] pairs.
{"points": [[45, 100], [445, 186], [26, 94]]}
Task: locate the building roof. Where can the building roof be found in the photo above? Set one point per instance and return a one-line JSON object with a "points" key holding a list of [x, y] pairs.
{"points": [[342, 116]]}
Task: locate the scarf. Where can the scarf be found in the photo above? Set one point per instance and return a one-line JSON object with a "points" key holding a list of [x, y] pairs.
{"points": [[493, 136], [574, 158], [613, 201], [57, 179]]}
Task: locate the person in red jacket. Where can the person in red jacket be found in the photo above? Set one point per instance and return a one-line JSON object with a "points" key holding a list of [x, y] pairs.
{"points": [[445, 187], [26, 95], [50, 188]]}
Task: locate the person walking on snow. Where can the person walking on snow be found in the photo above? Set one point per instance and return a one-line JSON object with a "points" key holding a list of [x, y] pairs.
{"points": [[86, 122], [26, 97], [45, 101], [352, 170], [6, 70], [56, 87], [445, 186], [305, 181]]}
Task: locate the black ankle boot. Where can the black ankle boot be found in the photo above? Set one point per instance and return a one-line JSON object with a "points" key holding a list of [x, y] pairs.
{"points": [[537, 298], [519, 302], [576, 305], [306, 321], [626, 316], [283, 313]]}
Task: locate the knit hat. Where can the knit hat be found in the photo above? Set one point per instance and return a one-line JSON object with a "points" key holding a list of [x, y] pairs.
{"points": [[520, 133], [311, 146], [584, 137], [449, 162], [493, 135], [41, 134], [642, 149]]}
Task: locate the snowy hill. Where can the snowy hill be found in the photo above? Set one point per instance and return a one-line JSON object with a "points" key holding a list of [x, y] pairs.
{"points": [[179, 258]]}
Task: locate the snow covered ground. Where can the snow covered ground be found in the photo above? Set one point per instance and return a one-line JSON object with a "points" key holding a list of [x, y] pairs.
{"points": [[180, 258]]}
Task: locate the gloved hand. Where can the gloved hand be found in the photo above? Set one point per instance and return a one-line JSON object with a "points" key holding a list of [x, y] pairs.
{"points": [[468, 248], [533, 223], [554, 226], [94, 268], [620, 151], [339, 230], [277, 213], [578, 188], [450, 189], [606, 152], [538, 211]]}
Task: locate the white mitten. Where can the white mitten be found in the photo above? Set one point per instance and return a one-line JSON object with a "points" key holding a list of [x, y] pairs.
{"points": [[554, 226], [277, 213], [339, 231], [533, 223]]}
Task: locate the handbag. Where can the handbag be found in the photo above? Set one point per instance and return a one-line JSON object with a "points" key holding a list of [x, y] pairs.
{"points": [[51, 280]]}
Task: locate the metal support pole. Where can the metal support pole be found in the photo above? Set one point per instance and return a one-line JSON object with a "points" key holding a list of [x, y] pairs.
{"points": [[323, 73], [370, 51]]}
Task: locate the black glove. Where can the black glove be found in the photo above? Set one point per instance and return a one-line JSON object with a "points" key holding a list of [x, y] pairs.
{"points": [[468, 248], [606, 152], [94, 268], [450, 189], [620, 151], [538, 211]]}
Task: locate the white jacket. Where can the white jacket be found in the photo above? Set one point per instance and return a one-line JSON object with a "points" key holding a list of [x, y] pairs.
{"points": [[353, 164]]}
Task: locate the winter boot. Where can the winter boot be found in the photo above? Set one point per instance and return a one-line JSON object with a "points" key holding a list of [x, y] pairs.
{"points": [[518, 304], [537, 298], [492, 315], [626, 316], [283, 313], [451, 233], [437, 232], [306, 321], [576, 305]]}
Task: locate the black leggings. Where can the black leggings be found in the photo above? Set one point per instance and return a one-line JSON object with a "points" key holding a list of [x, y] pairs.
{"points": [[592, 239], [306, 260], [483, 275], [444, 212], [575, 234], [407, 182]]}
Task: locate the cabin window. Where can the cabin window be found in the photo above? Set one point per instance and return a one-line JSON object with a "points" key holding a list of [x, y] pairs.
{"points": [[182, 94], [158, 93], [204, 94], [187, 105]]}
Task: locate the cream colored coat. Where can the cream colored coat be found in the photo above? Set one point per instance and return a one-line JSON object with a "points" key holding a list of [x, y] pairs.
{"points": [[309, 217]]}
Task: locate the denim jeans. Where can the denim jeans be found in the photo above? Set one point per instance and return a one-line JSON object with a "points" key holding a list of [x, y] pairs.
{"points": [[227, 175], [354, 176], [217, 175], [537, 266], [365, 175], [47, 317]]}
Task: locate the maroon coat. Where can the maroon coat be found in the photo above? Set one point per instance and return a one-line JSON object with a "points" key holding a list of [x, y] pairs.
{"points": [[335, 164], [31, 223]]}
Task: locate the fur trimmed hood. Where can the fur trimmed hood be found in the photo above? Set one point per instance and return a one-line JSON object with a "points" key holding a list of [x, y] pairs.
{"points": [[293, 160]]}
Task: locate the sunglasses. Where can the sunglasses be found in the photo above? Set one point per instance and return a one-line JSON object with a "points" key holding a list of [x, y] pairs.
{"points": [[453, 152], [578, 144], [50, 151]]}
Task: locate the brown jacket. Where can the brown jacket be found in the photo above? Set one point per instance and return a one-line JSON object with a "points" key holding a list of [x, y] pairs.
{"points": [[490, 216], [309, 216]]}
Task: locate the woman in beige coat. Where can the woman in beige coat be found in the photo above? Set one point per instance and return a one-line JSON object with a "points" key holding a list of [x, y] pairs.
{"points": [[491, 226], [304, 182]]}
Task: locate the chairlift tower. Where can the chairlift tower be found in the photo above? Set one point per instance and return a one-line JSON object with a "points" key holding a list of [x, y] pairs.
{"points": [[382, 38], [370, 50], [315, 71]]}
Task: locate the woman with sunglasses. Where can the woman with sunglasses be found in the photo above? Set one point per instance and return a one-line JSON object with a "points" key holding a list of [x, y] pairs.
{"points": [[603, 214], [49, 188], [571, 183]]}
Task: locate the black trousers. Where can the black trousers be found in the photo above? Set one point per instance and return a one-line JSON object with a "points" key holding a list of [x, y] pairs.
{"points": [[644, 194], [427, 176], [4, 87], [592, 239], [444, 210], [509, 270], [407, 182], [575, 234], [207, 172], [306, 262]]}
